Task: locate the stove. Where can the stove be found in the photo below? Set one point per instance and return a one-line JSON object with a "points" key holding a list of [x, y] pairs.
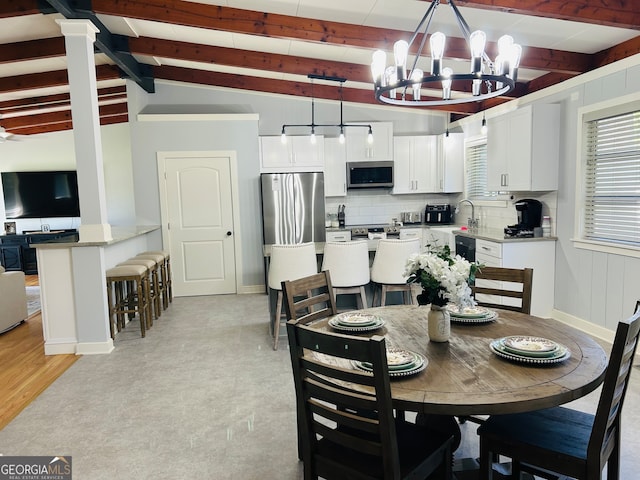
{"points": [[375, 231]]}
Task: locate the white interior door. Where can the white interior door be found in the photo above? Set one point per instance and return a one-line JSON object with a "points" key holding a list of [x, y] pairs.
{"points": [[199, 207]]}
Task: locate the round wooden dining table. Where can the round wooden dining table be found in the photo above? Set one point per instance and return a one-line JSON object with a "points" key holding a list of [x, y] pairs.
{"points": [[465, 377]]}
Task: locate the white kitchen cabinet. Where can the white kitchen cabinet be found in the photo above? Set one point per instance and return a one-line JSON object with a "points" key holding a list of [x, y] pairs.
{"points": [[335, 168], [523, 149], [539, 255], [410, 233], [360, 150], [298, 154], [338, 236], [415, 164], [450, 163]]}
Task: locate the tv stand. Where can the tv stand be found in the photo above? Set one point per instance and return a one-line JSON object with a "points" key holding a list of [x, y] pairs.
{"points": [[17, 254]]}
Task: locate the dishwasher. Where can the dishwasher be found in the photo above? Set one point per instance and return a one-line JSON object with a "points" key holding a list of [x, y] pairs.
{"points": [[466, 247]]}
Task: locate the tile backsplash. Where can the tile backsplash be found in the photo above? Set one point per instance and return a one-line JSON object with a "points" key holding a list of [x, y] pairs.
{"points": [[373, 207]]}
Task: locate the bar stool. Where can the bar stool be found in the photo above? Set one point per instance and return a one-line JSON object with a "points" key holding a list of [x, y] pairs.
{"points": [[153, 293], [165, 275], [348, 263], [131, 301], [289, 262], [389, 265]]}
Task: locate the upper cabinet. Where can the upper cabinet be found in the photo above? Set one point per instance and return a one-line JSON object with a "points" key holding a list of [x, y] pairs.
{"points": [[428, 164], [298, 154], [523, 149], [335, 168], [415, 164], [358, 146], [450, 167]]}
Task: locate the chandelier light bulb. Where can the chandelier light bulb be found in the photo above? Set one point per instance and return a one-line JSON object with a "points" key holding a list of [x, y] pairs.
{"points": [[483, 128], [514, 61], [283, 139], [436, 42], [378, 65], [313, 136], [446, 83], [391, 75], [416, 76], [370, 136], [477, 41], [504, 44], [341, 138], [476, 87], [400, 53]]}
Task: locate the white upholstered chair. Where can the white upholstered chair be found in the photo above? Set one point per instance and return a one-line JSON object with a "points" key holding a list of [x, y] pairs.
{"points": [[389, 266], [289, 262], [348, 263], [13, 299]]}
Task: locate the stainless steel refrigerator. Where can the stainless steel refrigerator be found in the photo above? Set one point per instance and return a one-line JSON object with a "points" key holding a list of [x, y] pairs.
{"points": [[293, 207]]}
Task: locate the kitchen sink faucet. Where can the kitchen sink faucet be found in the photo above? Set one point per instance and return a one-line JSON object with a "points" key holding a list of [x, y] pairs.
{"points": [[472, 222]]}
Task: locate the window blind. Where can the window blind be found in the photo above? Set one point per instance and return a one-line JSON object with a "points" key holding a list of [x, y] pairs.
{"points": [[612, 183], [476, 170]]}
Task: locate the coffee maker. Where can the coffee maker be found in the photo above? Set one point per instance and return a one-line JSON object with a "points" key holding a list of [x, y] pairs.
{"points": [[529, 217]]}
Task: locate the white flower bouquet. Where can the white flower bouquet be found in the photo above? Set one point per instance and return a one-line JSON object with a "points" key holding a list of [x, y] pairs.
{"points": [[443, 278]]}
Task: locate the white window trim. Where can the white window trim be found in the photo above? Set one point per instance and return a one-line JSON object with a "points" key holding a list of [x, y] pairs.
{"points": [[614, 106]]}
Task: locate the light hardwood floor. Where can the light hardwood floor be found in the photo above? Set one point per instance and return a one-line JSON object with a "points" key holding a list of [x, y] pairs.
{"points": [[26, 371]]}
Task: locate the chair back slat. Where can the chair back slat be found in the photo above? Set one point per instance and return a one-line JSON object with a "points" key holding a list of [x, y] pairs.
{"points": [[341, 408], [606, 428], [309, 298], [523, 276]]}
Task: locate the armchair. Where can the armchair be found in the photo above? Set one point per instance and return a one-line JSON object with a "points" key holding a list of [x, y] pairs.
{"points": [[13, 299]]}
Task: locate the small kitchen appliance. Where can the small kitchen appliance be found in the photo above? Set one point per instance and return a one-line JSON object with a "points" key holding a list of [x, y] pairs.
{"points": [[529, 217], [438, 214], [411, 217], [341, 215]]}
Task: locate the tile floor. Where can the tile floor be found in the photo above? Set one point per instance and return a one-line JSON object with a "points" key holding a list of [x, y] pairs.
{"points": [[203, 396]]}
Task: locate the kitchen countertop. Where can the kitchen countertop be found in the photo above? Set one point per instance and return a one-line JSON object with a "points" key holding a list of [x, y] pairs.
{"points": [[119, 234], [497, 235], [406, 225]]}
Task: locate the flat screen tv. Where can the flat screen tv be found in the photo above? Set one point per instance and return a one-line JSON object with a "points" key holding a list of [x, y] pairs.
{"points": [[40, 194]]}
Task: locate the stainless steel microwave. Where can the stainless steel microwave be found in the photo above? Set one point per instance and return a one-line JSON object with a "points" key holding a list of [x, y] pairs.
{"points": [[370, 174]]}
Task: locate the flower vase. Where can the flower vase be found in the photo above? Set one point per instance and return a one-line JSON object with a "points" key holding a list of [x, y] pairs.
{"points": [[439, 322]]}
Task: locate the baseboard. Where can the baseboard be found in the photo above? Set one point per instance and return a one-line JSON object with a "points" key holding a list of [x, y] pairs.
{"points": [[251, 289], [590, 328], [94, 348], [60, 347]]}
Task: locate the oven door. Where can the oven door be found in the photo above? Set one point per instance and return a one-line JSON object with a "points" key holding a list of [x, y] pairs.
{"points": [[466, 247]]}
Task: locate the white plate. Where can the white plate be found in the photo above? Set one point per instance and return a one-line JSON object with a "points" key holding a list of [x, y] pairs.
{"points": [[417, 365], [468, 312], [562, 354], [352, 319], [524, 344], [489, 318], [377, 323]]}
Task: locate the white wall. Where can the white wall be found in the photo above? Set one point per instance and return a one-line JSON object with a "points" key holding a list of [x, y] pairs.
{"points": [[55, 151]]}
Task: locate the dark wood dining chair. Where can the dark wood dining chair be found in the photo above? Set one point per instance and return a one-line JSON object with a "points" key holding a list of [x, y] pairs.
{"points": [[347, 427], [522, 276], [309, 298], [561, 441]]}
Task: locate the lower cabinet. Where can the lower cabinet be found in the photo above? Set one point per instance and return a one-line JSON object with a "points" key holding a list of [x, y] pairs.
{"points": [[17, 254], [536, 254]]}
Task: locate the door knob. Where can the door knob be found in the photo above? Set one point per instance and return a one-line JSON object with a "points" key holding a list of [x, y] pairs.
{"points": [[228, 234]]}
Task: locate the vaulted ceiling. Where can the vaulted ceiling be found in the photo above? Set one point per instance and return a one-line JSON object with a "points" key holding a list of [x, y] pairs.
{"points": [[272, 46]]}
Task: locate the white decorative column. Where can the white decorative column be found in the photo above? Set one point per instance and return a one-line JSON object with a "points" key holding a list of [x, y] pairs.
{"points": [[85, 330], [80, 35]]}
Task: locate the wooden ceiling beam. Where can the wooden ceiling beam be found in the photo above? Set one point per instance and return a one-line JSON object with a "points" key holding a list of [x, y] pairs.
{"points": [[618, 52], [311, 30], [15, 124], [55, 78], [15, 8], [67, 125], [622, 14], [45, 101], [32, 50]]}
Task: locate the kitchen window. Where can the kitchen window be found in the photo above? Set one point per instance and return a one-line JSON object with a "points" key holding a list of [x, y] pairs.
{"points": [[610, 203], [476, 170]]}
